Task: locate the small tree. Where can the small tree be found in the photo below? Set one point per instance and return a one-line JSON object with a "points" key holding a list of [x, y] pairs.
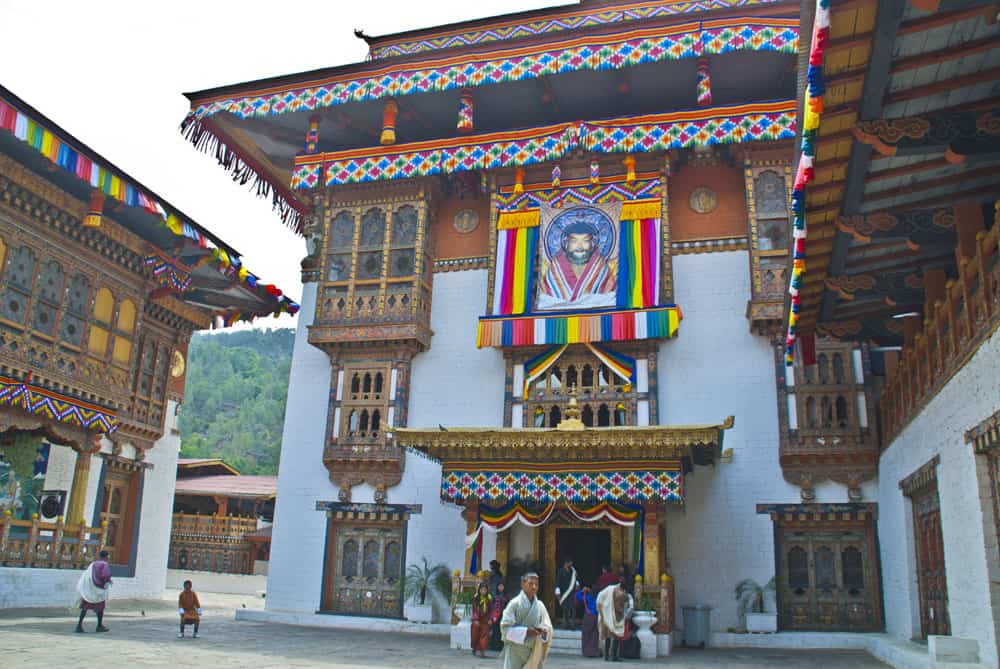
{"points": [[421, 580], [750, 595]]}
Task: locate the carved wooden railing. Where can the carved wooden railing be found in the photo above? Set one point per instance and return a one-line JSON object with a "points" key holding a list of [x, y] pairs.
{"points": [[953, 330], [32, 543], [211, 543]]}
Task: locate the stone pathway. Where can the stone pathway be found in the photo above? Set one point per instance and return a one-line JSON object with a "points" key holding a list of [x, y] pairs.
{"points": [[144, 634]]}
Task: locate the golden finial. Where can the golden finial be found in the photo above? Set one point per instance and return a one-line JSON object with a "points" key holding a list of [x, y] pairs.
{"points": [[571, 421]]}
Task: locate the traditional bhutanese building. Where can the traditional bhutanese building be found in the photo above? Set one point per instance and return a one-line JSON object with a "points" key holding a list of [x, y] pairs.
{"points": [[102, 284], [222, 520], [557, 265]]}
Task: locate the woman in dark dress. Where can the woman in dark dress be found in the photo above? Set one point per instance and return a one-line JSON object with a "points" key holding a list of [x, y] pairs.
{"points": [[589, 638], [499, 604]]}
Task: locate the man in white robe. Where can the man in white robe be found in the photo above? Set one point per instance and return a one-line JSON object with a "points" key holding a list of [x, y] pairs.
{"points": [[525, 628], [612, 604]]}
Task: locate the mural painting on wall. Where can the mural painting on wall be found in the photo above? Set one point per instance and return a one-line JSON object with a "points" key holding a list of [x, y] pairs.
{"points": [[579, 264], [24, 461]]}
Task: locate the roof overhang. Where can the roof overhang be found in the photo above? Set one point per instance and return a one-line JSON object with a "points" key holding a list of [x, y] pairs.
{"points": [[701, 443]]}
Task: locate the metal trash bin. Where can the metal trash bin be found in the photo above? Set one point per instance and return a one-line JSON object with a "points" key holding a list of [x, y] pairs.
{"points": [[697, 625]]}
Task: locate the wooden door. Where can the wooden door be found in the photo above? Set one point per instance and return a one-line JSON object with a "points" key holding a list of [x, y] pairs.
{"points": [[365, 569], [828, 580], [931, 579], [117, 511]]}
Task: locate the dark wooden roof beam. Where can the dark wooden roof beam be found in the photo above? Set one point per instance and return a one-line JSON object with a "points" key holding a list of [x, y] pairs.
{"points": [[964, 176], [912, 168], [944, 55], [944, 85], [991, 191], [971, 9]]}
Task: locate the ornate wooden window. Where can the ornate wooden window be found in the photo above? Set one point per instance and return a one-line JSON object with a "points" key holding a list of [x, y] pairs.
{"points": [[150, 380], [604, 399], [365, 405], [376, 268], [768, 193], [826, 392], [19, 277], [112, 328], [74, 318], [48, 298], [100, 327]]}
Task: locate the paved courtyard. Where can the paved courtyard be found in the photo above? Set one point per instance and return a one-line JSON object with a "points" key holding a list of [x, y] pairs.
{"points": [[144, 634]]}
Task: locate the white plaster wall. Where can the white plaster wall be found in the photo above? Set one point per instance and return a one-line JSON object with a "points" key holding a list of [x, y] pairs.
{"points": [[57, 587], [59, 475], [972, 395], [716, 368], [453, 384], [296, 569]]}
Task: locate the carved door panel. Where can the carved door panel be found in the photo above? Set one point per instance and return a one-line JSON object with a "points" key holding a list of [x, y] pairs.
{"points": [[827, 580], [931, 579], [365, 570]]}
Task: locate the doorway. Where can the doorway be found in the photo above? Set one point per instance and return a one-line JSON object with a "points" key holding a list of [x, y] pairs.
{"points": [[931, 579], [589, 548]]}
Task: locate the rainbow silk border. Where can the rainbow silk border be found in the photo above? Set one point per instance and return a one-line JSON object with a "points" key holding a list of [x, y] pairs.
{"points": [[572, 328], [515, 29], [514, 283], [812, 109], [41, 402], [660, 481], [730, 124], [615, 50]]}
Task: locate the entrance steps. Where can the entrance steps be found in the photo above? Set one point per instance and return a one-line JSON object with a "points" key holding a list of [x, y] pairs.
{"points": [[566, 642]]}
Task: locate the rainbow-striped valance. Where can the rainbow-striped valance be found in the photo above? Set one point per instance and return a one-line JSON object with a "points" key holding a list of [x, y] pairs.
{"points": [[659, 322]]}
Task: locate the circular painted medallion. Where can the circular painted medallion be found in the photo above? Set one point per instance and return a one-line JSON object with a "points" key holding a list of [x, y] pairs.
{"points": [[703, 200], [466, 220]]}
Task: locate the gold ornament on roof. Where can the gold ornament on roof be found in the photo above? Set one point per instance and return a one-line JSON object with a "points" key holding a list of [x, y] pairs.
{"points": [[572, 414]]}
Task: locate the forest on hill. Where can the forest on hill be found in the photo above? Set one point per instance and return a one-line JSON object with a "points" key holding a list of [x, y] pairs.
{"points": [[234, 401]]}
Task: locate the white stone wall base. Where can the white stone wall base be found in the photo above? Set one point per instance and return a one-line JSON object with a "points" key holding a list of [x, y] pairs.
{"points": [[342, 622], [952, 649], [894, 652], [208, 581]]}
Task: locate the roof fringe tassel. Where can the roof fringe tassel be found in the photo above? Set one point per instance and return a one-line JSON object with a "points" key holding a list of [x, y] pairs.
{"points": [[206, 141]]}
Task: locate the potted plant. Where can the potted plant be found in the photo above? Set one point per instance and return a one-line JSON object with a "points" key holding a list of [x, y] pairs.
{"points": [[420, 582], [463, 605], [750, 595]]}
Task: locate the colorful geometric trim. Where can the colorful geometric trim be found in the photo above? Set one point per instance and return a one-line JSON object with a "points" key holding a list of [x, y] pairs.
{"points": [[614, 51], [516, 29], [631, 134], [577, 482], [168, 273], [41, 402], [104, 179], [579, 192], [592, 326], [812, 108]]}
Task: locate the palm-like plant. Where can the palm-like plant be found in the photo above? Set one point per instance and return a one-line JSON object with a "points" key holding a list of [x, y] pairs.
{"points": [[423, 579], [750, 595]]}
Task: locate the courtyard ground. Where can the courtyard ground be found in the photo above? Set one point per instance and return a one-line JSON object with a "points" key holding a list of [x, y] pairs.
{"points": [[144, 634]]}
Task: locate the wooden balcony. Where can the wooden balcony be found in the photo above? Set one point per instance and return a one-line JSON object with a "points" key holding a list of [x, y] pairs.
{"points": [[32, 543], [387, 314], [954, 328], [211, 543]]}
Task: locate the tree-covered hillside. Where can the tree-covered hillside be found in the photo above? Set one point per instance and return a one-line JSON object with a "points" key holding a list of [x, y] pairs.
{"points": [[234, 401]]}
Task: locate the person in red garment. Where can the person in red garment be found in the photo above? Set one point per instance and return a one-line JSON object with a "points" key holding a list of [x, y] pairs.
{"points": [[189, 609], [93, 589], [482, 606]]}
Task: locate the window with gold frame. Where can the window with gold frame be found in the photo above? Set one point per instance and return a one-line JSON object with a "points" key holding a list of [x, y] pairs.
{"points": [[365, 403]]}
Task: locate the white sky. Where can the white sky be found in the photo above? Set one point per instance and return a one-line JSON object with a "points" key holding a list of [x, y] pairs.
{"points": [[112, 73]]}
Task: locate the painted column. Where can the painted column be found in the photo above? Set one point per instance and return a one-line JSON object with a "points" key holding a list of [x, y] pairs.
{"points": [[471, 515], [503, 549], [651, 546], [78, 493]]}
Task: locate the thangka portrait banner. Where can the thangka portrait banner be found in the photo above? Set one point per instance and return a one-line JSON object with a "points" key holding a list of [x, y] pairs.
{"points": [[579, 257]]}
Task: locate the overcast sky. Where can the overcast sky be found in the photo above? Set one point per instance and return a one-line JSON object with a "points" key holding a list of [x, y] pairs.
{"points": [[113, 74]]}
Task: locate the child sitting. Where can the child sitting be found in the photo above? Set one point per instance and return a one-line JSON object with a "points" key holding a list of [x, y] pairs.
{"points": [[189, 609]]}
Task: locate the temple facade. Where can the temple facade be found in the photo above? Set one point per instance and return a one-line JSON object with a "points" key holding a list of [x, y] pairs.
{"points": [[560, 300], [103, 283]]}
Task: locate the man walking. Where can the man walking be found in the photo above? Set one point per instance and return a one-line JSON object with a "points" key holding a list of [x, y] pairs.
{"points": [[565, 587], [93, 590], [525, 628]]}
